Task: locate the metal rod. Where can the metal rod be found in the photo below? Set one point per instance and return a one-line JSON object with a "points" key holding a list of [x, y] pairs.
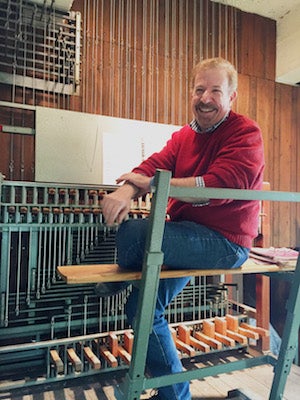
{"points": [[18, 275]]}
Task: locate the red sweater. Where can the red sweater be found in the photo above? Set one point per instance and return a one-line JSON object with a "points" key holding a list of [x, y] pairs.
{"points": [[230, 157]]}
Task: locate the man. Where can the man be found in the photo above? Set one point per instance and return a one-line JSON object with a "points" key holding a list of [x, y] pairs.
{"points": [[221, 149]]}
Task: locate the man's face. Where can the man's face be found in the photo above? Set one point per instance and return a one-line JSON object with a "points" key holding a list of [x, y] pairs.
{"points": [[211, 97]]}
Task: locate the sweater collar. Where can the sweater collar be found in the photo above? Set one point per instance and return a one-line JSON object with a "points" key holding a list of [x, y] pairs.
{"points": [[197, 128]]}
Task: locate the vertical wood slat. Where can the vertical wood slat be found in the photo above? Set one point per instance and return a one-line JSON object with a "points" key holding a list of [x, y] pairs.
{"points": [[284, 168], [294, 171], [256, 53], [159, 37], [296, 152]]}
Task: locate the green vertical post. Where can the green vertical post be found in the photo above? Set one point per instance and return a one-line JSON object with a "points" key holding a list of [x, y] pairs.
{"points": [[289, 339], [133, 385]]}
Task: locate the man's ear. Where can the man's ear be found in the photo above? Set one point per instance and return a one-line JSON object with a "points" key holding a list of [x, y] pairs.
{"points": [[233, 96]]}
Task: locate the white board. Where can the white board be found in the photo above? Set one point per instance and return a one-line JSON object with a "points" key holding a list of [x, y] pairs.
{"points": [[73, 147]]}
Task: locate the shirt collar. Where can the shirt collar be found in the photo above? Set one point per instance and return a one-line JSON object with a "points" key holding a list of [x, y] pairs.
{"points": [[197, 128]]}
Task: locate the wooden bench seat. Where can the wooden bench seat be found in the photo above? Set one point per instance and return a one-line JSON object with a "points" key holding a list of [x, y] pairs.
{"points": [[94, 273]]}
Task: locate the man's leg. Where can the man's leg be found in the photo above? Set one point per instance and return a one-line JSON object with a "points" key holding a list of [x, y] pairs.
{"points": [[185, 245], [162, 356]]}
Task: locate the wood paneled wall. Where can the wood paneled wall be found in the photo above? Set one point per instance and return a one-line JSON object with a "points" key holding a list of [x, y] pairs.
{"points": [[136, 59], [139, 54]]}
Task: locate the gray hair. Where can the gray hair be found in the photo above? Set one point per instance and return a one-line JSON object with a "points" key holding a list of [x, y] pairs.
{"points": [[217, 62]]}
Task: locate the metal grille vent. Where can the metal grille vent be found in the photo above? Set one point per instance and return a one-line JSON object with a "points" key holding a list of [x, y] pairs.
{"points": [[39, 47]]}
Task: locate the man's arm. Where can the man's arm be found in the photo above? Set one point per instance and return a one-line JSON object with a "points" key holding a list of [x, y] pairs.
{"points": [[116, 205]]}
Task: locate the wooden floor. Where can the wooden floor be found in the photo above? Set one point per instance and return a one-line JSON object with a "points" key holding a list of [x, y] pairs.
{"points": [[255, 382]]}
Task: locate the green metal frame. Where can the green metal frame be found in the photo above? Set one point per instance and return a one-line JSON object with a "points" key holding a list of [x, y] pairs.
{"points": [[135, 381], [45, 224]]}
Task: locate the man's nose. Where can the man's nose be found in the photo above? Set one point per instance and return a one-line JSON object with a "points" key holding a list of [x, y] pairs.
{"points": [[206, 96]]}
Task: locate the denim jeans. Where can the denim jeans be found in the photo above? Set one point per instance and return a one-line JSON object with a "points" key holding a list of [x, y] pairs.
{"points": [[185, 245]]}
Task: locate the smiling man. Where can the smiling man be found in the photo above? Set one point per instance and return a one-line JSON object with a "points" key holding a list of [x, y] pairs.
{"points": [[212, 94], [220, 149]]}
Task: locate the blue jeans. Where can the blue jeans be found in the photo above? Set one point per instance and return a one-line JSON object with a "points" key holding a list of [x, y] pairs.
{"points": [[185, 245]]}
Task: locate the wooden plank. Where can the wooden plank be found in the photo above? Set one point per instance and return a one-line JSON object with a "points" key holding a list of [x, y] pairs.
{"points": [[94, 273]]}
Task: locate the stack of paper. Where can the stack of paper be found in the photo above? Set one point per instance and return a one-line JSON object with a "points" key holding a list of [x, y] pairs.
{"points": [[274, 255]]}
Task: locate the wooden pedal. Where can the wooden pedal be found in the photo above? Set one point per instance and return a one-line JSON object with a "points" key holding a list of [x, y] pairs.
{"points": [[57, 361], [184, 334], [128, 341], [181, 345], [124, 355], [215, 344], [91, 357], [220, 325], [117, 350], [232, 322], [112, 342], [208, 328], [74, 359], [108, 356], [220, 332], [227, 341], [248, 333], [237, 337], [261, 331]]}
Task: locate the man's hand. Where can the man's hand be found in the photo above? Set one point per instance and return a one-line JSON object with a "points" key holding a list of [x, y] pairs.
{"points": [[142, 182], [116, 205]]}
